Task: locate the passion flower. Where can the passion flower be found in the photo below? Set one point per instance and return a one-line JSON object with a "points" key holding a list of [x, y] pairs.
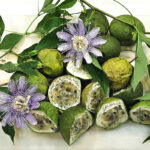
{"points": [[16, 107], [80, 43]]}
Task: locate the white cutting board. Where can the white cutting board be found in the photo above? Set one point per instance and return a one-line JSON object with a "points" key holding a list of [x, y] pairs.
{"points": [[17, 15]]}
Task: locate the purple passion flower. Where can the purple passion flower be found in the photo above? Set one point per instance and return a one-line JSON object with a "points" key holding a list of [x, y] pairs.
{"points": [[79, 43], [16, 107]]}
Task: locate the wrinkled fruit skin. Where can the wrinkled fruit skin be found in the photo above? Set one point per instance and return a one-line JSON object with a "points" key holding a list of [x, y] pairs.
{"points": [[119, 71], [97, 20], [52, 61], [123, 32]]}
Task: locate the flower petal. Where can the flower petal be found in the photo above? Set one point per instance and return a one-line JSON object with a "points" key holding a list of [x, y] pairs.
{"points": [[31, 119], [37, 97], [34, 105], [22, 85], [87, 57], [64, 47], [81, 27], [72, 29], [95, 51], [12, 87], [67, 60], [5, 120], [97, 41], [19, 121], [5, 97], [64, 36], [93, 33], [79, 55], [79, 62], [32, 89], [71, 53]]}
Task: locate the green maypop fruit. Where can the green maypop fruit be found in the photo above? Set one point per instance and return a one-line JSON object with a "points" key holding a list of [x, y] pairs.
{"points": [[111, 48], [74, 122], [39, 79], [118, 71], [125, 33], [77, 72], [140, 112], [52, 61], [64, 92], [92, 95], [47, 118], [128, 95], [95, 19], [111, 113]]}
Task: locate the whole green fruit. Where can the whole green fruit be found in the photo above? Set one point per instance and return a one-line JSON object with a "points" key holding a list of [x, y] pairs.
{"points": [[111, 48], [95, 19], [52, 61], [126, 34]]}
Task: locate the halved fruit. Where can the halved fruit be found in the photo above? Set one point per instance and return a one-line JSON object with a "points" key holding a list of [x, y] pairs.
{"points": [[78, 72], [47, 118], [64, 92], [140, 112], [92, 95], [74, 122], [111, 113]]}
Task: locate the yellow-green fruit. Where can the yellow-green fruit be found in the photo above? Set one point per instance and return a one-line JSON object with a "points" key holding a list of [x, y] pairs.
{"points": [[52, 61], [40, 80], [119, 72], [95, 19], [124, 33]]}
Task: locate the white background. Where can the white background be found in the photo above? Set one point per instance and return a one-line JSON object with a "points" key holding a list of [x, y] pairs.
{"points": [[17, 15]]}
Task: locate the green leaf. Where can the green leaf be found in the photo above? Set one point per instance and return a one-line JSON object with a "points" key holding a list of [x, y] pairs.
{"points": [[10, 41], [9, 131], [145, 97], [50, 40], [140, 65], [27, 53], [48, 7], [99, 76], [26, 67], [148, 138], [2, 27], [96, 63], [9, 67], [50, 24], [67, 4], [144, 38], [4, 89]]}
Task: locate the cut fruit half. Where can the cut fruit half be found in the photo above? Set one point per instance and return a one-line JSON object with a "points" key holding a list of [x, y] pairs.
{"points": [[47, 118], [140, 112], [77, 72], [111, 113], [64, 92], [74, 122], [92, 95]]}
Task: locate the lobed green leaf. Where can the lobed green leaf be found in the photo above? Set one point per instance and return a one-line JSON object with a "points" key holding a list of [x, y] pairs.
{"points": [[96, 63], [145, 97]]}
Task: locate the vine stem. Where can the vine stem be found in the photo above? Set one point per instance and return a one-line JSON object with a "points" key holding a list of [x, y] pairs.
{"points": [[103, 12]]}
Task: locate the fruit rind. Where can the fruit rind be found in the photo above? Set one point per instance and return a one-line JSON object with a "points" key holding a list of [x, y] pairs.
{"points": [[67, 121], [78, 72], [108, 104]]}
